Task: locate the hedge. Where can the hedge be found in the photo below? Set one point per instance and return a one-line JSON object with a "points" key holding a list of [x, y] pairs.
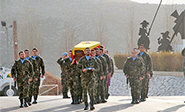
{"points": [[163, 61]]}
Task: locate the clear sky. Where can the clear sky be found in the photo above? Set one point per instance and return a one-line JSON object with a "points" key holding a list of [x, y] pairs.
{"points": [[163, 1]]}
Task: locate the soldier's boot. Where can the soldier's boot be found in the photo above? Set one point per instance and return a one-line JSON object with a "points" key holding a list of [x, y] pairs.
{"points": [[25, 102], [75, 99], [95, 102], [133, 99], [92, 105], [80, 99], [35, 99], [72, 99], [103, 99], [97, 99], [142, 97], [86, 106], [21, 103], [65, 95], [29, 100], [137, 99]]}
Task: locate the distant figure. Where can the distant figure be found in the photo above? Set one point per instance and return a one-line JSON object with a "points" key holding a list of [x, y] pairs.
{"points": [[144, 37], [183, 54], [164, 42]]}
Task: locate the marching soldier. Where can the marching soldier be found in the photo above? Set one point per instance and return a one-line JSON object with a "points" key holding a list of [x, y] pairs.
{"points": [[148, 71], [64, 76], [39, 72], [27, 57], [134, 70], [102, 50], [22, 72], [102, 75], [87, 65]]}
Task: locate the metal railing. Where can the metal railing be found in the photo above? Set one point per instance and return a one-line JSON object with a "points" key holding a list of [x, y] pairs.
{"points": [[54, 86]]}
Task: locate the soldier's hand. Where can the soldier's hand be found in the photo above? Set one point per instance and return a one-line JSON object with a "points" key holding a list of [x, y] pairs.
{"points": [[141, 78], [14, 79], [29, 80], [109, 75], [104, 77], [73, 62], [84, 70], [101, 77], [126, 76], [36, 79], [41, 76], [93, 69], [147, 73]]}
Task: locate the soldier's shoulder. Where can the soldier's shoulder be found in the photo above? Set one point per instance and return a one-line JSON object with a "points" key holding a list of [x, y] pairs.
{"points": [[40, 57], [82, 58]]}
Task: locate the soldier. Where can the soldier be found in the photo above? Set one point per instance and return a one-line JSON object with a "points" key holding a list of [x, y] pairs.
{"points": [[39, 72], [22, 72], [102, 52], [183, 54], [134, 70], [102, 75], [112, 71], [87, 66], [64, 76], [27, 57], [148, 71]]}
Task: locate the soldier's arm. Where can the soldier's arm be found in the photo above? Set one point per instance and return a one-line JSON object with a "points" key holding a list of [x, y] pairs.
{"points": [[80, 66], [42, 67], [31, 71], [14, 70], [125, 67], [109, 64], [149, 65], [105, 67], [142, 68], [97, 67], [112, 68]]}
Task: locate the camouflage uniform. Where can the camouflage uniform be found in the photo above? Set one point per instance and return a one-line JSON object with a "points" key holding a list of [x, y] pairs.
{"points": [[64, 76], [102, 82], [24, 72], [183, 54], [87, 78], [39, 68], [134, 69], [148, 69], [109, 71]]}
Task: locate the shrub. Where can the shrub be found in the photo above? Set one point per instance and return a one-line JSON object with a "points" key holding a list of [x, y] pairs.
{"points": [[163, 61]]}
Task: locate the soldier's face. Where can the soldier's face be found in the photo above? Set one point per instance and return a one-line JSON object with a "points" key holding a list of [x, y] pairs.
{"points": [[97, 52], [93, 53], [142, 48], [87, 52], [35, 53], [134, 53], [27, 53], [70, 54], [100, 52], [21, 55]]}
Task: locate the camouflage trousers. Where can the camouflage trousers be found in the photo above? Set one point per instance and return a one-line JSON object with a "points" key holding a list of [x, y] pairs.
{"points": [[64, 82], [101, 84], [87, 85], [144, 87], [73, 84], [23, 88], [95, 87], [135, 85], [106, 85], [31, 89], [35, 86]]}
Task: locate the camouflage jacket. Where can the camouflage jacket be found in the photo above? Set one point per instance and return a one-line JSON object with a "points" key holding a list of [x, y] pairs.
{"points": [[104, 65], [99, 71], [148, 63], [22, 70], [108, 62], [134, 68], [33, 64], [112, 67], [39, 66], [84, 63]]}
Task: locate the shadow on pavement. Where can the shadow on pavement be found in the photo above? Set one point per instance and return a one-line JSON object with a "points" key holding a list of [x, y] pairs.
{"points": [[115, 107], [49, 100], [9, 109], [172, 109], [126, 99]]}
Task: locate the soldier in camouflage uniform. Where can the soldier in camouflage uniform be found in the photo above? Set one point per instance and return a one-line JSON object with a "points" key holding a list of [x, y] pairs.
{"points": [[148, 71], [96, 77], [39, 72], [22, 72], [183, 54], [102, 76], [109, 69], [134, 70], [87, 65], [27, 56], [64, 76]]}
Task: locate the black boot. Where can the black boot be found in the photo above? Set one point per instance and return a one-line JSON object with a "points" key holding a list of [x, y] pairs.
{"points": [[91, 105], [21, 103], [97, 99], [102, 99], [80, 99], [75, 100], [65, 95], [86, 106], [29, 100], [72, 99], [25, 103], [133, 99], [137, 99], [35, 99]]}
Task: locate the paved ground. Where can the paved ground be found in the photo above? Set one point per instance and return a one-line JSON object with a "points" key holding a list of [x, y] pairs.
{"points": [[114, 104]]}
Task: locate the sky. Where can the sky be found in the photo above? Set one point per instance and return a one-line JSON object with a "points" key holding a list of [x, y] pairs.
{"points": [[163, 1]]}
